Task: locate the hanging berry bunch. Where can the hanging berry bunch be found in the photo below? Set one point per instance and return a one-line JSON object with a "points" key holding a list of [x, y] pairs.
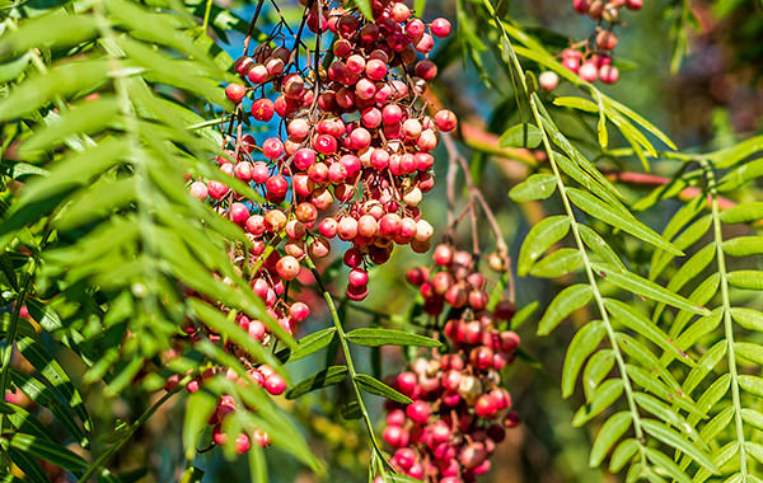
{"points": [[460, 410], [346, 154], [591, 59]]}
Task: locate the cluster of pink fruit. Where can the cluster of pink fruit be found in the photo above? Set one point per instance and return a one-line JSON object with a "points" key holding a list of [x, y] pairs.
{"points": [[351, 159], [459, 410], [591, 59]]}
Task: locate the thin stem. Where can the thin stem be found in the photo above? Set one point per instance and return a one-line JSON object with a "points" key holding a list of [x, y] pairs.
{"points": [[598, 297], [207, 12], [208, 123], [10, 338], [135, 150], [106, 456], [348, 357], [475, 198], [638, 430], [590, 275], [248, 37], [727, 321]]}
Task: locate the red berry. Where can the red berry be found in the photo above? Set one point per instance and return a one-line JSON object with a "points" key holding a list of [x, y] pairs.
{"points": [[288, 268], [235, 92], [440, 27], [406, 383], [275, 384], [419, 411]]}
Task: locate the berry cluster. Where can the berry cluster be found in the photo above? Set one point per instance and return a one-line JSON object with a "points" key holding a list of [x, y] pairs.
{"points": [[591, 59], [459, 411], [346, 155], [356, 156]]}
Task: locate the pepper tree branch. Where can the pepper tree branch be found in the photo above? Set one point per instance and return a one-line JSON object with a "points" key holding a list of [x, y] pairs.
{"points": [[477, 198], [348, 358]]}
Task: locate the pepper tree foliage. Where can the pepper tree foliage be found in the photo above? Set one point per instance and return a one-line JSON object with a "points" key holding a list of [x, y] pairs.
{"points": [[109, 104]]}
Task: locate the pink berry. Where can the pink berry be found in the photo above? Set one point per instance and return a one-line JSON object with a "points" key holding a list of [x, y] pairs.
{"points": [[548, 80], [235, 92], [199, 190], [275, 384], [419, 411], [440, 27], [288, 268]]}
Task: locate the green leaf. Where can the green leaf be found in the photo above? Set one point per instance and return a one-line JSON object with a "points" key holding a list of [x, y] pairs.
{"points": [[540, 238], [585, 179], [596, 369], [671, 438], [710, 397], [705, 364], [750, 319], [312, 343], [741, 176], [667, 465], [664, 412], [746, 279], [638, 352], [29, 465], [612, 430], [725, 158], [198, 409], [258, 467], [643, 326], [524, 314], [48, 451], [375, 337], [601, 125], [45, 315], [84, 117], [51, 399], [687, 238], [602, 185], [228, 328], [75, 169], [575, 102], [536, 187], [374, 386], [365, 7], [743, 246], [701, 295], [558, 264], [622, 454], [638, 119], [692, 267], [599, 247], [96, 202], [751, 384], [755, 450], [645, 288], [753, 418], [622, 220], [749, 351], [567, 301], [743, 213], [718, 423], [52, 31], [13, 69], [646, 380], [62, 80], [50, 369], [521, 136], [327, 377], [604, 397], [582, 346]]}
